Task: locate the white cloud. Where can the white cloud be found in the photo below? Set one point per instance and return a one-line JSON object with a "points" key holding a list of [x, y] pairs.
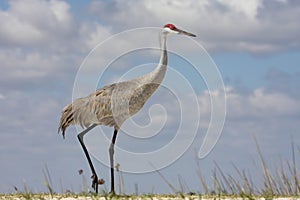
{"points": [[92, 34], [2, 97], [251, 26], [48, 26], [261, 105], [41, 40], [260, 112], [247, 8], [34, 22], [258, 105]]}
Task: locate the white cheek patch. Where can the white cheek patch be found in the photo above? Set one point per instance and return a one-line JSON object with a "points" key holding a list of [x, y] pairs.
{"points": [[168, 30]]}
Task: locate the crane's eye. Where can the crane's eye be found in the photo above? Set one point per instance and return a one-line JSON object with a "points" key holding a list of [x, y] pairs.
{"points": [[170, 26]]}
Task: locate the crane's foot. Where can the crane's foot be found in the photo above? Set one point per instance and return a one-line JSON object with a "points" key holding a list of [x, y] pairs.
{"points": [[95, 182], [112, 193]]}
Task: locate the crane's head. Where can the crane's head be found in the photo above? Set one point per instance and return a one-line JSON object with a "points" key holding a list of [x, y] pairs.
{"points": [[172, 29]]}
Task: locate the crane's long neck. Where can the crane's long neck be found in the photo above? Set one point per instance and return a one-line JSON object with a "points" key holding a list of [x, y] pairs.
{"points": [[158, 74]]}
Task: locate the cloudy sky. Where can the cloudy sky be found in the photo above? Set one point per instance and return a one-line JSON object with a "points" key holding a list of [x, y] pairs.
{"points": [[253, 44]]}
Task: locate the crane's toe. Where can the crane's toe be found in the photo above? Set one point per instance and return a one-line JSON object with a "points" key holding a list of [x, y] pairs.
{"points": [[95, 182], [112, 193]]}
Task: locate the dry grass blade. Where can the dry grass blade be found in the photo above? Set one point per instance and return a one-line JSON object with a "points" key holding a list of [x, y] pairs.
{"points": [[166, 181], [286, 189], [267, 177], [294, 175], [48, 181], [224, 179], [202, 180]]}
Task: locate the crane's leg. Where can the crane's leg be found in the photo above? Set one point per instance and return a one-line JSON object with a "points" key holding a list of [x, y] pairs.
{"points": [[111, 157], [80, 138]]}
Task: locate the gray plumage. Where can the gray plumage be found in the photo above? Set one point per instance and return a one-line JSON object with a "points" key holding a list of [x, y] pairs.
{"points": [[115, 103]]}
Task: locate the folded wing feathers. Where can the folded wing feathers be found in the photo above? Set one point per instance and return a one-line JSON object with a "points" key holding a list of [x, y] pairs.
{"points": [[93, 109]]}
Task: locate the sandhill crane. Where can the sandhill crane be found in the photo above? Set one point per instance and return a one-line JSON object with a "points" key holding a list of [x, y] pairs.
{"points": [[113, 104]]}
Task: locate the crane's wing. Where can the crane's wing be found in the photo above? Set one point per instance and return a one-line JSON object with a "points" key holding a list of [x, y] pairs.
{"points": [[93, 109], [110, 105]]}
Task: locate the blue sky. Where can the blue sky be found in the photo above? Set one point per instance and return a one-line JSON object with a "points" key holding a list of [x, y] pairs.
{"points": [[254, 44]]}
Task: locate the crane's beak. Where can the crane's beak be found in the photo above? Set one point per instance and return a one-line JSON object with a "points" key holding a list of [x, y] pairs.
{"points": [[185, 33]]}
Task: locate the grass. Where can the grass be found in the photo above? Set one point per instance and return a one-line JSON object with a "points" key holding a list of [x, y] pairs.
{"points": [[279, 182], [283, 181]]}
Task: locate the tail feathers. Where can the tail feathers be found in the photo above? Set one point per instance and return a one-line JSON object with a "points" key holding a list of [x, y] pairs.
{"points": [[78, 112], [67, 119]]}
